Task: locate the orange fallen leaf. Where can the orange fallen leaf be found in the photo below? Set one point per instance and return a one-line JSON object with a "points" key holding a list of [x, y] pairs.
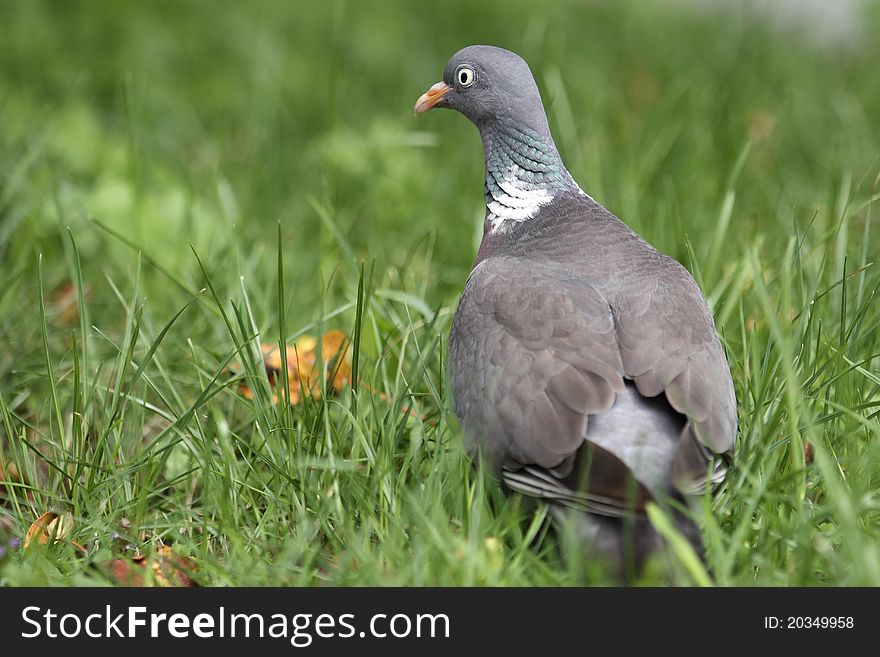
{"points": [[172, 569], [168, 568], [303, 372], [49, 527]]}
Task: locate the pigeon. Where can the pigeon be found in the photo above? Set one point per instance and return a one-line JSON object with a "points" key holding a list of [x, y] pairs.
{"points": [[584, 364]]}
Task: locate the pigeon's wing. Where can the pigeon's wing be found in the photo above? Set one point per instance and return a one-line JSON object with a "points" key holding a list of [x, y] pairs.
{"points": [[668, 344], [531, 356]]}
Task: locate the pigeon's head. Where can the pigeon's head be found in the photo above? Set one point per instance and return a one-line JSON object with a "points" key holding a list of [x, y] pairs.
{"points": [[487, 85]]}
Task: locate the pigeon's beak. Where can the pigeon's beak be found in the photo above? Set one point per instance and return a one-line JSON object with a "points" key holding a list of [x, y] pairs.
{"points": [[431, 97]]}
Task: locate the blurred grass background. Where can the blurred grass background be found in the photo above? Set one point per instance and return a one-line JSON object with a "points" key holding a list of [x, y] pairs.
{"points": [[138, 140]]}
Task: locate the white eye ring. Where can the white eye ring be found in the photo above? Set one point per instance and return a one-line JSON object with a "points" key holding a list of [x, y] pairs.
{"points": [[465, 76]]}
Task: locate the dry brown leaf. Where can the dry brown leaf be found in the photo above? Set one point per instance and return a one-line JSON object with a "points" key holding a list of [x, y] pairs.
{"points": [[642, 88], [168, 568], [125, 572], [49, 526], [760, 125], [8, 474], [303, 373], [66, 304]]}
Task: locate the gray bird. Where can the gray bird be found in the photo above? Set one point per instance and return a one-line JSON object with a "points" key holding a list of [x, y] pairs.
{"points": [[584, 364]]}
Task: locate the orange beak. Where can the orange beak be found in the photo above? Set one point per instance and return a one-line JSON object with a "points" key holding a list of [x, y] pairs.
{"points": [[431, 97]]}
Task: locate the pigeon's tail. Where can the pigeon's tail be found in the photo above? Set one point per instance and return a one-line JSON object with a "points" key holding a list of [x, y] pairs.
{"points": [[623, 544], [599, 494]]}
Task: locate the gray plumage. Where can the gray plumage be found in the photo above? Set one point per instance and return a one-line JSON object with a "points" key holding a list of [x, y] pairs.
{"points": [[583, 363]]}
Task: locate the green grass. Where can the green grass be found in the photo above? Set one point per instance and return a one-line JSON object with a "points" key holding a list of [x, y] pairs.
{"points": [[211, 176]]}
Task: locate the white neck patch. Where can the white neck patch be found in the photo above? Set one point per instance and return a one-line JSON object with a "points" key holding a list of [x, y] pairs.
{"points": [[514, 202]]}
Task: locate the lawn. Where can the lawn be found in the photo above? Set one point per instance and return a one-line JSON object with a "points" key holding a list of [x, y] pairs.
{"points": [[181, 183]]}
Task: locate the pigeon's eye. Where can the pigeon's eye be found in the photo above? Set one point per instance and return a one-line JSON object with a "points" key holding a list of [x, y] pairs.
{"points": [[465, 76]]}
